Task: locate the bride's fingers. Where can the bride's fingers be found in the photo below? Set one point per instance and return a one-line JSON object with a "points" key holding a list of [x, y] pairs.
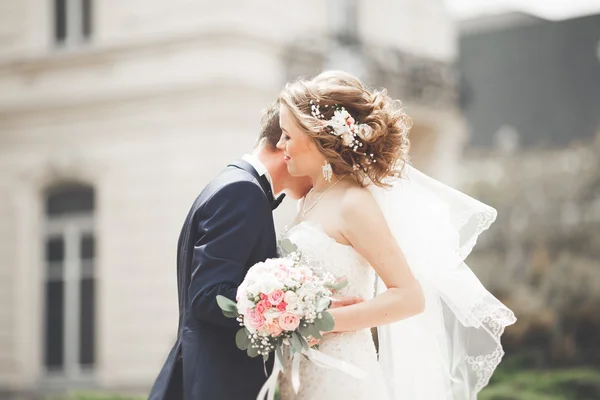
{"points": [[345, 301]]}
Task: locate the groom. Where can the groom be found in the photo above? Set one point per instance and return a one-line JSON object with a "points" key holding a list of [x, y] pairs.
{"points": [[228, 229]]}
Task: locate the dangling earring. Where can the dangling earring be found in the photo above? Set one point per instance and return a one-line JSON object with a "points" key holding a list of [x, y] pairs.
{"points": [[327, 171]]}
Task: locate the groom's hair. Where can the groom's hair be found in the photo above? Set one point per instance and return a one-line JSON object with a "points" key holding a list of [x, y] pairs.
{"points": [[270, 132]]}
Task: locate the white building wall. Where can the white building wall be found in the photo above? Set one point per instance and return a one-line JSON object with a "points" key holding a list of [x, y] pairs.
{"points": [[166, 94]]}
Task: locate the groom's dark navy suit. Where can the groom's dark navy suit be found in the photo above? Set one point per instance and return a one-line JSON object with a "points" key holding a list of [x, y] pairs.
{"points": [[228, 229]]}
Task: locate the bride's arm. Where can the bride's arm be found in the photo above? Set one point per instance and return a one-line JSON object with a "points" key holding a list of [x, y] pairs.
{"points": [[364, 226]]}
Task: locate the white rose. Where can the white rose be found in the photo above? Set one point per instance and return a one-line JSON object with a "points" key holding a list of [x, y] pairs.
{"points": [[270, 316], [296, 308], [338, 121], [365, 131], [347, 138], [290, 297], [244, 304], [290, 282], [269, 286]]}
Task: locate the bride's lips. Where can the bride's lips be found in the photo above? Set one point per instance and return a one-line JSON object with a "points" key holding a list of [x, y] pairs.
{"points": [[286, 158]]}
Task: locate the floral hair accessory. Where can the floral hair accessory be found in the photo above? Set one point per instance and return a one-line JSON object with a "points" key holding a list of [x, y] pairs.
{"points": [[343, 125]]}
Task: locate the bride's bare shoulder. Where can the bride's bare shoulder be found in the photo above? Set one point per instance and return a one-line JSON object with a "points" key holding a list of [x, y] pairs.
{"points": [[358, 202]]}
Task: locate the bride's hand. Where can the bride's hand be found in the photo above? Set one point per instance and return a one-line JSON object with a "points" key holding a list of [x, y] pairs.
{"points": [[345, 301]]}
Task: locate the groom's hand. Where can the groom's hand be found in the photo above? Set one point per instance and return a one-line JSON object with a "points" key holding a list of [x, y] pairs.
{"points": [[337, 302]]}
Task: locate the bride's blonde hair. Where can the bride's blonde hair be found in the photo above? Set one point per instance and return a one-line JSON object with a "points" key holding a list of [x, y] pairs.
{"points": [[381, 154]]}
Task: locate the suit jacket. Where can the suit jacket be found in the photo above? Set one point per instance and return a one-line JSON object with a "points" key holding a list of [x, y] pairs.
{"points": [[228, 229]]}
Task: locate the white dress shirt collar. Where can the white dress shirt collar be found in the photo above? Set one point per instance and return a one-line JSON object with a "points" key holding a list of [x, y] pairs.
{"points": [[260, 168]]}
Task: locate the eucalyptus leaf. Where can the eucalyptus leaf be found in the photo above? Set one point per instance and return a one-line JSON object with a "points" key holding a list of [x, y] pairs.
{"points": [[304, 330], [226, 304], [241, 339], [287, 246], [302, 341], [325, 323], [279, 355], [252, 352], [296, 342], [314, 331], [323, 303], [229, 314], [337, 285]]}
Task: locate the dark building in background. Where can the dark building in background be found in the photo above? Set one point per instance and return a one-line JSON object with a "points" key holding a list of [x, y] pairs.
{"points": [[535, 80]]}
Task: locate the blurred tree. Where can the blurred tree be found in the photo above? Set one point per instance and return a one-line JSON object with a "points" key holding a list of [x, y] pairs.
{"points": [[542, 256]]}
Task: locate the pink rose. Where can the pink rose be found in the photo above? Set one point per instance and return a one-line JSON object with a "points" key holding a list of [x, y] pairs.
{"points": [[262, 306], [282, 306], [350, 120], [276, 297], [274, 329], [263, 296], [254, 320], [288, 322]]}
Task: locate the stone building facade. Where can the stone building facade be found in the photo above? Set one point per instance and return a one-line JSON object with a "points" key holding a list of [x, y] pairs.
{"points": [[114, 116]]}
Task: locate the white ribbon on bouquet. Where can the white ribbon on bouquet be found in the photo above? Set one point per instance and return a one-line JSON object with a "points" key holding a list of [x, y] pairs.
{"points": [[318, 358]]}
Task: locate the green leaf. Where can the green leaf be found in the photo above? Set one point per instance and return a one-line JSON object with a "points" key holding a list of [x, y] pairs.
{"points": [[302, 341], [279, 355], [226, 304], [296, 342], [229, 314], [323, 303], [287, 246], [252, 352], [304, 330], [338, 284], [314, 331], [241, 339], [325, 323]]}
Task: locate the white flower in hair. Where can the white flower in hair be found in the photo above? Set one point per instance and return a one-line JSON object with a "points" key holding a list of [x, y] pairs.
{"points": [[348, 138], [343, 125], [365, 131], [339, 122]]}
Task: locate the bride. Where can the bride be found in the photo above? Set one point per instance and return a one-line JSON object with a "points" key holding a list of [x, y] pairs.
{"points": [[393, 232]]}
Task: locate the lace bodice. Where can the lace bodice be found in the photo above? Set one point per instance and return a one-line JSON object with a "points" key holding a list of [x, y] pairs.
{"points": [[323, 253]]}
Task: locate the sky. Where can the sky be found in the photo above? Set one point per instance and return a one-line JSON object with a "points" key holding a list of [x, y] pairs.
{"points": [[549, 9]]}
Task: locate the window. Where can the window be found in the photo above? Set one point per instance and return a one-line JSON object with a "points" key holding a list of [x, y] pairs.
{"points": [[70, 298], [72, 21]]}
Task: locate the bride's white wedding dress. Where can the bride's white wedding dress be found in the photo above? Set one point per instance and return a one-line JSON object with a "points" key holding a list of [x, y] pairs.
{"points": [[357, 348], [448, 352]]}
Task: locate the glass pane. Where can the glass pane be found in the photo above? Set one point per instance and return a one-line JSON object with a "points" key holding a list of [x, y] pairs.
{"points": [[87, 322], [87, 247], [54, 338], [87, 18], [69, 199], [55, 249], [60, 20]]}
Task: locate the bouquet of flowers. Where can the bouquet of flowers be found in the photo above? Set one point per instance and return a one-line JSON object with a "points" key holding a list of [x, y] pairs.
{"points": [[284, 302], [281, 301]]}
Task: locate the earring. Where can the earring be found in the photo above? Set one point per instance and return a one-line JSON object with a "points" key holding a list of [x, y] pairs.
{"points": [[327, 171]]}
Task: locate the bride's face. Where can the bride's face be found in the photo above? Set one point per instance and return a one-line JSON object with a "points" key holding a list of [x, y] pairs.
{"points": [[300, 152]]}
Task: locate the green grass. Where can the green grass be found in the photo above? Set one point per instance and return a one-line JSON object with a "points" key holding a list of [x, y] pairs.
{"points": [[508, 383], [96, 396], [566, 384]]}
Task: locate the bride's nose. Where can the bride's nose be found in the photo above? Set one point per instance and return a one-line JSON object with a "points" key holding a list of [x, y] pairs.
{"points": [[281, 143]]}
